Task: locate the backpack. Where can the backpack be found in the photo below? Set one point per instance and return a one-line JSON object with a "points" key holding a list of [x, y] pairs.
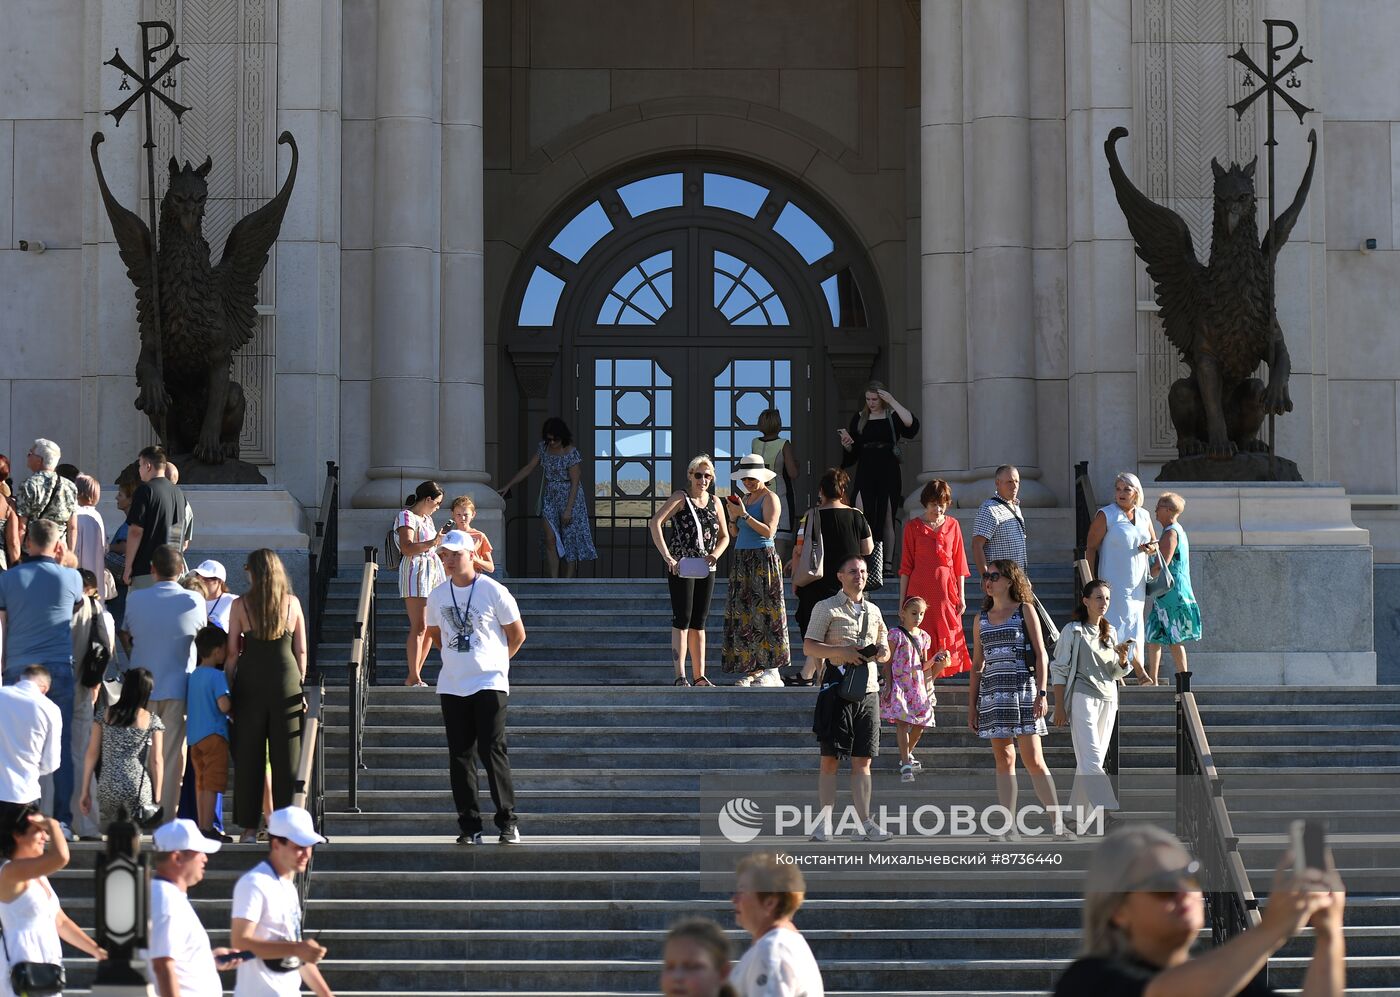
{"points": [[98, 654]]}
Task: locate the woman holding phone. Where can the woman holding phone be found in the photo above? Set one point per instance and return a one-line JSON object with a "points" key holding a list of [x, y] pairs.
{"points": [[699, 535], [755, 618]]}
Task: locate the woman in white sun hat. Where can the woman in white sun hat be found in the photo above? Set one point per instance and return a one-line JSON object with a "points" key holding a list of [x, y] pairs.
{"points": [[213, 580], [755, 618]]}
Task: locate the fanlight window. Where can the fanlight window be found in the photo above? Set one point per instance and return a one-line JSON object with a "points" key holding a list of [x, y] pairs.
{"points": [[648, 290], [642, 295], [744, 296]]}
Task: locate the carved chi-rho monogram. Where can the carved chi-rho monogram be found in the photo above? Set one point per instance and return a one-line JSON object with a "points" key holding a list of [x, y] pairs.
{"points": [[149, 82]]}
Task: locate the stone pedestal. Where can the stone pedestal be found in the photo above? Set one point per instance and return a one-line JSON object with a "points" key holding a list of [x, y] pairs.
{"points": [[231, 520], [1284, 580]]}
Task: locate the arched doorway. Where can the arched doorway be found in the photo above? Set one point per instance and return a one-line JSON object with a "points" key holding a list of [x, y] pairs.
{"points": [[680, 301]]}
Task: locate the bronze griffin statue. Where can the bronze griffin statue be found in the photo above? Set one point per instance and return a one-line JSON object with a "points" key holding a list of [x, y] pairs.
{"points": [[207, 312], [1219, 317]]}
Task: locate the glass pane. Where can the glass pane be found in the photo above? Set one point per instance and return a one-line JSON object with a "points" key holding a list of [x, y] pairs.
{"points": [[630, 316], [758, 284], [723, 380], [645, 300], [731, 265], [739, 302], [654, 265], [663, 408], [627, 283], [541, 298], [751, 406], [652, 194], [663, 443], [662, 378], [633, 408], [783, 403], [722, 452], [752, 373], [582, 233], [722, 401], [634, 372], [782, 373], [634, 443], [602, 443], [777, 314], [663, 288], [633, 478], [754, 316], [722, 286], [602, 372], [833, 300], [807, 237], [602, 407], [733, 194]]}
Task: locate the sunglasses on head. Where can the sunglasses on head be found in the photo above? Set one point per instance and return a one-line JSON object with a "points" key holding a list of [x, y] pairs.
{"points": [[1169, 880]]}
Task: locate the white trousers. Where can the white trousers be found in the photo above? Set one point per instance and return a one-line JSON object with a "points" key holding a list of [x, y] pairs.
{"points": [[85, 825], [1091, 728]]}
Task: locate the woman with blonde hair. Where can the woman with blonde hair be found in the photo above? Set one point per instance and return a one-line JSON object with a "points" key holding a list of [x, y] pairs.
{"points": [[1144, 910], [1006, 701], [1119, 544], [699, 535], [768, 892], [266, 666], [781, 459], [1175, 619]]}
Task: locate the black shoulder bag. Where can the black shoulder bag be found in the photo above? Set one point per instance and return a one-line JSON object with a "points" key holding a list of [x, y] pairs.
{"points": [[856, 677], [34, 979]]}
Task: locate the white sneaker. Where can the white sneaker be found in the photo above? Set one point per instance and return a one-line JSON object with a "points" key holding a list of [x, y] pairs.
{"points": [[768, 678], [906, 773], [821, 834], [918, 765], [874, 832]]}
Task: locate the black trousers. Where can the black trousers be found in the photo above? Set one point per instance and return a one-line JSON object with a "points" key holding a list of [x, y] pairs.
{"points": [[690, 600], [476, 726]]}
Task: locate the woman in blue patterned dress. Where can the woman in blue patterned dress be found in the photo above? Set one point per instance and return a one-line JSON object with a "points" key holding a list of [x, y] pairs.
{"points": [[1006, 701], [420, 571], [1175, 619], [563, 505]]}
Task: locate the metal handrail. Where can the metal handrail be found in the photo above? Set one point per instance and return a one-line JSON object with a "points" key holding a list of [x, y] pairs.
{"points": [[362, 675], [309, 790], [322, 556], [1203, 824]]}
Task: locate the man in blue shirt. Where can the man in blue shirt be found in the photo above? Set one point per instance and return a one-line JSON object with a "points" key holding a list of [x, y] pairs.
{"points": [[159, 629], [37, 599]]}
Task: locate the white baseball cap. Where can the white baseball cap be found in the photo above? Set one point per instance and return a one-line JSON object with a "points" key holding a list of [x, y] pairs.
{"points": [[184, 835], [211, 569], [458, 540], [294, 824]]}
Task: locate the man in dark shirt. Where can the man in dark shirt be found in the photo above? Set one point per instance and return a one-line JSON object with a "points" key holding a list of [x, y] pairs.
{"points": [[156, 517]]}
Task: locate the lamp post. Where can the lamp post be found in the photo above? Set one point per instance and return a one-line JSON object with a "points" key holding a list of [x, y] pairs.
{"points": [[123, 918]]}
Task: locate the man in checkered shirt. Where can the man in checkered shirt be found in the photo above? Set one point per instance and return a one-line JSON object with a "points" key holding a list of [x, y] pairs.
{"points": [[999, 532]]}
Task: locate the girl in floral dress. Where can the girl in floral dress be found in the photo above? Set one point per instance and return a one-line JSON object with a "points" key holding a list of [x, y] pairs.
{"points": [[907, 699]]}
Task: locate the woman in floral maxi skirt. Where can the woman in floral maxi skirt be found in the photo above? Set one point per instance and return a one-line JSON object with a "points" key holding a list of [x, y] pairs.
{"points": [[755, 616]]}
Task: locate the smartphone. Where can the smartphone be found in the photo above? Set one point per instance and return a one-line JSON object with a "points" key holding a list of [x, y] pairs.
{"points": [[870, 651], [224, 960], [735, 499], [1309, 840]]}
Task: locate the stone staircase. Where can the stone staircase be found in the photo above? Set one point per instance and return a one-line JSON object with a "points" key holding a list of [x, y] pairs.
{"points": [[609, 761]]}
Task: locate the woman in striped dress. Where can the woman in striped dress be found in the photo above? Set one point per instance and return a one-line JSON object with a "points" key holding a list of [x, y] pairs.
{"points": [[420, 571], [1006, 701]]}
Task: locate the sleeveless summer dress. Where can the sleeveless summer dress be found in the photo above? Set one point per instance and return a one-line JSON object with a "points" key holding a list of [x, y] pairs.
{"points": [[575, 541], [419, 574], [1124, 567], [125, 781], [1006, 694], [1175, 617]]}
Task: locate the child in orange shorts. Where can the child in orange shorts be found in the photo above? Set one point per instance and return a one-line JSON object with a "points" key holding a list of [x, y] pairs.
{"points": [[207, 705]]}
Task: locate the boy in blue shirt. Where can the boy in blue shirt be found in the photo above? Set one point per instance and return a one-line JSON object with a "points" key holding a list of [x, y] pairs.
{"points": [[206, 725]]}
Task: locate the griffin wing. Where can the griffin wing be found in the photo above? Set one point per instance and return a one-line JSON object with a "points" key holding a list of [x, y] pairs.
{"points": [[1164, 243], [1283, 224], [245, 255], [133, 245]]}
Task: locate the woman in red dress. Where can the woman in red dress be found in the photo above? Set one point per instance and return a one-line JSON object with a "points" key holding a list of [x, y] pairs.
{"points": [[933, 566]]}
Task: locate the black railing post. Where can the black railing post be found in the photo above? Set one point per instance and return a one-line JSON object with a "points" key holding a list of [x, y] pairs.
{"points": [[372, 641]]}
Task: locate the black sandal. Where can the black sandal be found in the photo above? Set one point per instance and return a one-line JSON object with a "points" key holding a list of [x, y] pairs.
{"points": [[703, 681], [681, 680]]}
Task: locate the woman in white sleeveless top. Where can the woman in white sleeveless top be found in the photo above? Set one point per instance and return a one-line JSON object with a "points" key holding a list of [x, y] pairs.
{"points": [[1120, 543], [34, 924]]}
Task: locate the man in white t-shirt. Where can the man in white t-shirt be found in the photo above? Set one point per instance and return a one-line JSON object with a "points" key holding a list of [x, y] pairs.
{"points": [[474, 620], [267, 914], [779, 963], [179, 959]]}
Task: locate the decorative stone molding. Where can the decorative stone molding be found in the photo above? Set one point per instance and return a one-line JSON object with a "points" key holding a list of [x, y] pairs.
{"points": [[230, 84], [534, 361], [852, 361], [1184, 84]]}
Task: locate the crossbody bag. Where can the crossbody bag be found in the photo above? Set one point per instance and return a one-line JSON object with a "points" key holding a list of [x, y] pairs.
{"points": [[856, 678], [694, 567], [34, 979]]}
